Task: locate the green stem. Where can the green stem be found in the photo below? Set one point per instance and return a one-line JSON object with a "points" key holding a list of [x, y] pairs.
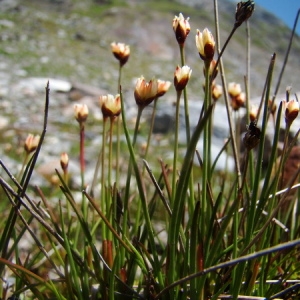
{"points": [[150, 130], [180, 197], [251, 225], [82, 168], [157, 266], [128, 180], [174, 178], [206, 149], [109, 196], [188, 132], [102, 199], [118, 132]]}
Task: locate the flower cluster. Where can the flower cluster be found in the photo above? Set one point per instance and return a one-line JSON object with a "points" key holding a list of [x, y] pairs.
{"points": [[238, 98], [145, 92]]}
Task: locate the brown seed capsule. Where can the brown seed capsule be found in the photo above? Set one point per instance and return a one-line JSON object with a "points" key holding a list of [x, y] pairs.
{"points": [[244, 10], [252, 136]]}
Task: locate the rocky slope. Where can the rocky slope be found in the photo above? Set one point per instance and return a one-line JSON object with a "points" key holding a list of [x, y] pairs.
{"points": [[70, 40]]}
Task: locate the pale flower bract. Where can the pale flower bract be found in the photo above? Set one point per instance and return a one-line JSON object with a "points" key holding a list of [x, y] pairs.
{"points": [[110, 105], [205, 43], [181, 77], [145, 92], [182, 28]]}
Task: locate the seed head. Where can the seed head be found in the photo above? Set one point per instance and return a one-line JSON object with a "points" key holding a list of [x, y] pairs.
{"points": [[252, 136], [244, 10]]}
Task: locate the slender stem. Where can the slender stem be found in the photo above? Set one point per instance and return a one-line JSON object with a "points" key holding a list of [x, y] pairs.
{"points": [[9, 226], [224, 46], [110, 153], [128, 180], [174, 178], [150, 231], [82, 162], [150, 130], [205, 167], [103, 197], [23, 165], [231, 262], [206, 146], [286, 55], [186, 106], [224, 84], [260, 151], [179, 202], [188, 130], [118, 132], [109, 195]]}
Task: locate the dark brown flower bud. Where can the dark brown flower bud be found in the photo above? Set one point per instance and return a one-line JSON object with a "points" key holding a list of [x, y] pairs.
{"points": [[244, 10], [252, 136]]}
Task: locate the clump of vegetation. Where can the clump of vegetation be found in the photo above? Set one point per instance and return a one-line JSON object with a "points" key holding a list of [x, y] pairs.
{"points": [[167, 234]]}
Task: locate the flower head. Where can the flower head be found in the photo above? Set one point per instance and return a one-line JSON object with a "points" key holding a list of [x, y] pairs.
{"points": [[237, 97], [234, 89], [272, 107], [145, 92], [182, 28], [163, 87], [238, 101], [181, 77], [211, 70], [244, 10], [121, 52], [31, 143], [205, 43], [291, 111], [110, 105], [64, 161], [81, 112], [253, 113], [217, 91]]}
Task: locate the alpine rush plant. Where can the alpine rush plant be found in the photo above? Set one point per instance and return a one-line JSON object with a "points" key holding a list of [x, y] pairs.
{"points": [[151, 227]]}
